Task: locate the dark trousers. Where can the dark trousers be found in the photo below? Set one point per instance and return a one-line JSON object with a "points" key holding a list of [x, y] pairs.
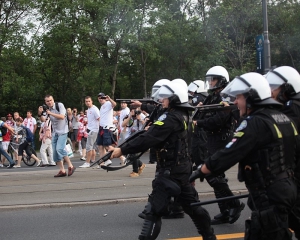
{"points": [[219, 182]]}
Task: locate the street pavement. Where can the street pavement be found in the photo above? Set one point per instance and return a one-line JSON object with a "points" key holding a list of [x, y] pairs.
{"points": [[35, 187]]}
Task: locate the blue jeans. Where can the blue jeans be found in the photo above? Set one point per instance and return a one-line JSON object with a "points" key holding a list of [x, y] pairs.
{"points": [[5, 154], [58, 146]]}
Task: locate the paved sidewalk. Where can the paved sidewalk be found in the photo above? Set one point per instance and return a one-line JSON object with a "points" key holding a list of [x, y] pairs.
{"points": [[36, 187]]}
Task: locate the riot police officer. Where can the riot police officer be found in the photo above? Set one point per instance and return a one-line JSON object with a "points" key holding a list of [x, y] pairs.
{"points": [[285, 86], [264, 145], [219, 128], [168, 136], [198, 150], [149, 108]]}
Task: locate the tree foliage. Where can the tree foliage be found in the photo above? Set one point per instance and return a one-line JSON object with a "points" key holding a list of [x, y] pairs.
{"points": [[75, 48]]}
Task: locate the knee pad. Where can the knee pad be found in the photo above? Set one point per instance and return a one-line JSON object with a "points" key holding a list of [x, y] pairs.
{"points": [[159, 201], [151, 227]]}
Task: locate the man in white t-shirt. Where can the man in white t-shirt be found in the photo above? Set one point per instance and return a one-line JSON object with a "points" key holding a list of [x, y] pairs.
{"points": [[105, 137], [30, 122], [93, 119], [123, 114]]}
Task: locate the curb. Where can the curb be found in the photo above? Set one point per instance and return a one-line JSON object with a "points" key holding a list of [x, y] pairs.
{"points": [[96, 202]]}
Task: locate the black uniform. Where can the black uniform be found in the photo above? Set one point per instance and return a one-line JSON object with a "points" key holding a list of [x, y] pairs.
{"points": [[198, 138], [149, 109], [219, 129], [292, 110], [168, 137], [264, 146]]}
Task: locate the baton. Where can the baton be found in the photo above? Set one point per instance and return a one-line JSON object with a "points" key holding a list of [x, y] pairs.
{"points": [[219, 200]]}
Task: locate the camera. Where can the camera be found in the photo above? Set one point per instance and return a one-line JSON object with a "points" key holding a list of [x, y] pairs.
{"points": [[137, 112], [45, 108]]}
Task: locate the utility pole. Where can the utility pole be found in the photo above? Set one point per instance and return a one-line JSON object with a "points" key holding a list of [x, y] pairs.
{"points": [[267, 53]]}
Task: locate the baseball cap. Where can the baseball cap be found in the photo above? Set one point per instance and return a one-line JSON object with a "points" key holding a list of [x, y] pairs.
{"points": [[9, 115], [101, 94]]}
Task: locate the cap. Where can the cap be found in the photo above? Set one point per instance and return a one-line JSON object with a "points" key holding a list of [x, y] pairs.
{"points": [[101, 94], [9, 115], [123, 101]]}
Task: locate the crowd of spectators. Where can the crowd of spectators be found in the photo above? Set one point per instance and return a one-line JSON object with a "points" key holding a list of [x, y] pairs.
{"points": [[91, 131]]}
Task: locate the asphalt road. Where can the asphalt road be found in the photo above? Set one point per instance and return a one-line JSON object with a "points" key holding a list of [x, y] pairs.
{"points": [[91, 222], [35, 205]]}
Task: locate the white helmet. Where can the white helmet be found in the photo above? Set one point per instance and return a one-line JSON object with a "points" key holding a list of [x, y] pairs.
{"points": [[197, 86], [158, 84], [286, 77], [253, 86], [219, 73], [181, 82], [177, 95]]}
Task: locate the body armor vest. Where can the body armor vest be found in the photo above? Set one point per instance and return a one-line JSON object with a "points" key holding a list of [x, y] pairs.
{"points": [[175, 149], [274, 160]]}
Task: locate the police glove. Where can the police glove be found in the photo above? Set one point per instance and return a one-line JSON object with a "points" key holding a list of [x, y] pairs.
{"points": [[197, 174]]}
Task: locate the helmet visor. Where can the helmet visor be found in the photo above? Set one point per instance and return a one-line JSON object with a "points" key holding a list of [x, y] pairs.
{"points": [[164, 92], [193, 87], [212, 82], [154, 89], [234, 88], [274, 86]]}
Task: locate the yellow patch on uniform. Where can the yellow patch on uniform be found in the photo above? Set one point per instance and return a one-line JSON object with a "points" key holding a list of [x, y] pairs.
{"points": [[159, 123], [295, 130], [185, 126], [238, 134], [279, 134]]}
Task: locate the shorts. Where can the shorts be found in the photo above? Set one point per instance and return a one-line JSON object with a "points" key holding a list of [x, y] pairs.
{"points": [[73, 135], [24, 146], [105, 138], [58, 146], [5, 145], [91, 139]]}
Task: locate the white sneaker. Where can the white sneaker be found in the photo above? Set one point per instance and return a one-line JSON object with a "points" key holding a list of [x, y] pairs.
{"points": [[122, 163], [85, 165], [1, 165], [106, 163], [83, 159]]}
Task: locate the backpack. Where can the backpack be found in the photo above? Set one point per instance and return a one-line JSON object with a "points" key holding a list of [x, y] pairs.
{"points": [[29, 134], [57, 108]]}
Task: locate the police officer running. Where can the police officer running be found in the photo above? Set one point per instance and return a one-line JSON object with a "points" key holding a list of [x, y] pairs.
{"points": [[219, 128], [285, 86], [264, 145], [168, 135]]}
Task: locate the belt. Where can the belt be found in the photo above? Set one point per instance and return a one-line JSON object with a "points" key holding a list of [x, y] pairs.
{"points": [[279, 176], [106, 127]]}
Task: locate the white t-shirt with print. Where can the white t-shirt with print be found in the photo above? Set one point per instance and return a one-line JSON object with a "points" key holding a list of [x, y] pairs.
{"points": [[124, 112], [30, 123], [135, 125], [93, 116], [106, 115]]}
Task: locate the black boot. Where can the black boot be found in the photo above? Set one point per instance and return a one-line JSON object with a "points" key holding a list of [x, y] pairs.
{"points": [[142, 214], [235, 213], [221, 218], [208, 235], [151, 228]]}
